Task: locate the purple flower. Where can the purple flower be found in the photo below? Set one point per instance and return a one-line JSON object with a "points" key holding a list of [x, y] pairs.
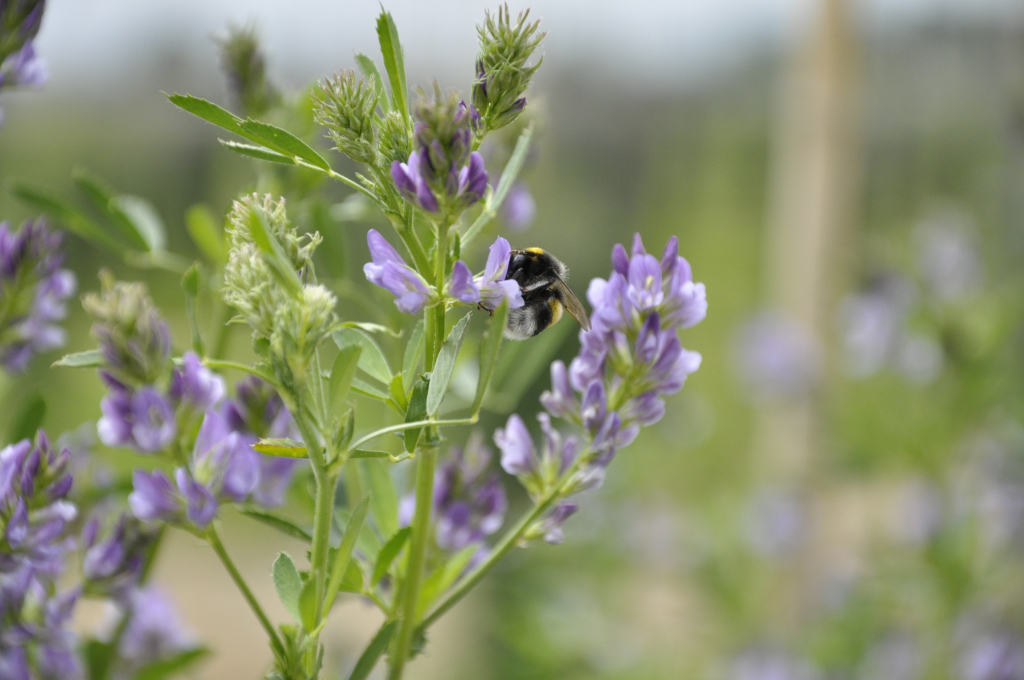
{"points": [[411, 183], [551, 527], [114, 565], [200, 505], [154, 498], [517, 452], [777, 358], [153, 423], [493, 285], [33, 290], [993, 657], [195, 384], [23, 67], [389, 271], [462, 287], [154, 632], [519, 209]]}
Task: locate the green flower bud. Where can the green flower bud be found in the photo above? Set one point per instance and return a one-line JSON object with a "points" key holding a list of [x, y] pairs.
{"points": [[347, 107], [502, 74], [243, 63]]}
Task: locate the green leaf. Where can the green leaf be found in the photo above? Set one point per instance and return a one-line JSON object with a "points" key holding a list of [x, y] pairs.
{"points": [[273, 254], [282, 448], [417, 411], [28, 419], [490, 344], [307, 605], [443, 577], [102, 197], [394, 62], [70, 216], [368, 659], [98, 656], [368, 390], [283, 141], [91, 358], [370, 327], [143, 218], [209, 112], [190, 284], [383, 500], [444, 365], [364, 453], [371, 73], [282, 524], [388, 554], [288, 584], [413, 355], [206, 233], [371, 360], [354, 581], [257, 152], [165, 668], [341, 559], [343, 371]]}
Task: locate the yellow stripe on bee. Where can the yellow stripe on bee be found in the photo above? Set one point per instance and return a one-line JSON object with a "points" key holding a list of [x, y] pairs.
{"points": [[556, 311], [539, 251]]}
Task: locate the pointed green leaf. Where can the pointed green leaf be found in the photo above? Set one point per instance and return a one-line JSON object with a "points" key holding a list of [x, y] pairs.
{"points": [[443, 577], [364, 453], [143, 218], [170, 666], [284, 142], [368, 659], [417, 411], [394, 62], [28, 420], [371, 360], [282, 524], [190, 284], [102, 197], [288, 584], [282, 448], [353, 581], [413, 355], [209, 112], [341, 559], [68, 215], [367, 390], [383, 499], [490, 344], [388, 554], [444, 366], [370, 72], [206, 233], [307, 605], [257, 152], [370, 328], [343, 371], [92, 358]]}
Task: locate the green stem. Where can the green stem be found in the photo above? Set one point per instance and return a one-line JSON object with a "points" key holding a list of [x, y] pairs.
{"points": [[425, 462], [214, 540], [220, 342], [409, 426], [324, 504]]}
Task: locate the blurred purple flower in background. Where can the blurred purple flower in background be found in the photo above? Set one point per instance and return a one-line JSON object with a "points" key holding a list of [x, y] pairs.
{"points": [[154, 632], [469, 504], [33, 293], [947, 257], [776, 522], [19, 64], [777, 358], [519, 209], [994, 656], [113, 565], [769, 664]]}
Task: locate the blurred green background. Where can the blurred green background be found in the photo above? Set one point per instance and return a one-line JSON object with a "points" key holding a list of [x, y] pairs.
{"points": [[866, 522]]}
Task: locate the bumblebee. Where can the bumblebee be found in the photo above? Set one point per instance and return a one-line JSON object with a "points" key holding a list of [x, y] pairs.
{"points": [[541, 278]]}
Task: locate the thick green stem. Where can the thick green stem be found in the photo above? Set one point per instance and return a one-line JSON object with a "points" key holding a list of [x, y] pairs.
{"points": [[324, 504], [214, 540], [426, 460]]}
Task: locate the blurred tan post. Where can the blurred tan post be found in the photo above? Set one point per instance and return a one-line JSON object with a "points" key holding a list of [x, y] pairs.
{"points": [[811, 197]]}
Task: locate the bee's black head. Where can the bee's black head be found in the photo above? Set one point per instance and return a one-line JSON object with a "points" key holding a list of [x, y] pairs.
{"points": [[534, 263]]}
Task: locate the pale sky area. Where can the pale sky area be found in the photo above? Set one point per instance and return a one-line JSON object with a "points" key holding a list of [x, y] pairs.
{"points": [[96, 44]]}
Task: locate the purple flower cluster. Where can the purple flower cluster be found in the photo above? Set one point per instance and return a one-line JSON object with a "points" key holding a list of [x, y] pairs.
{"points": [[154, 632], [390, 271], [34, 637], [469, 504], [33, 292], [777, 358], [146, 418], [112, 565], [628, 362], [19, 23], [443, 172], [223, 466]]}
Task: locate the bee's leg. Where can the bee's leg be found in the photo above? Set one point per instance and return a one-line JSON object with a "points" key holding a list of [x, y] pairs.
{"points": [[480, 305]]}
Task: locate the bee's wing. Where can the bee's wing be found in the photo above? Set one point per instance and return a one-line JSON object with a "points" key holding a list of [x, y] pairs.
{"points": [[572, 304]]}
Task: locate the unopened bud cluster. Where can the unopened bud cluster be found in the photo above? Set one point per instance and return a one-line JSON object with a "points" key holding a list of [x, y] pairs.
{"points": [[347, 106], [243, 63], [502, 72]]}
